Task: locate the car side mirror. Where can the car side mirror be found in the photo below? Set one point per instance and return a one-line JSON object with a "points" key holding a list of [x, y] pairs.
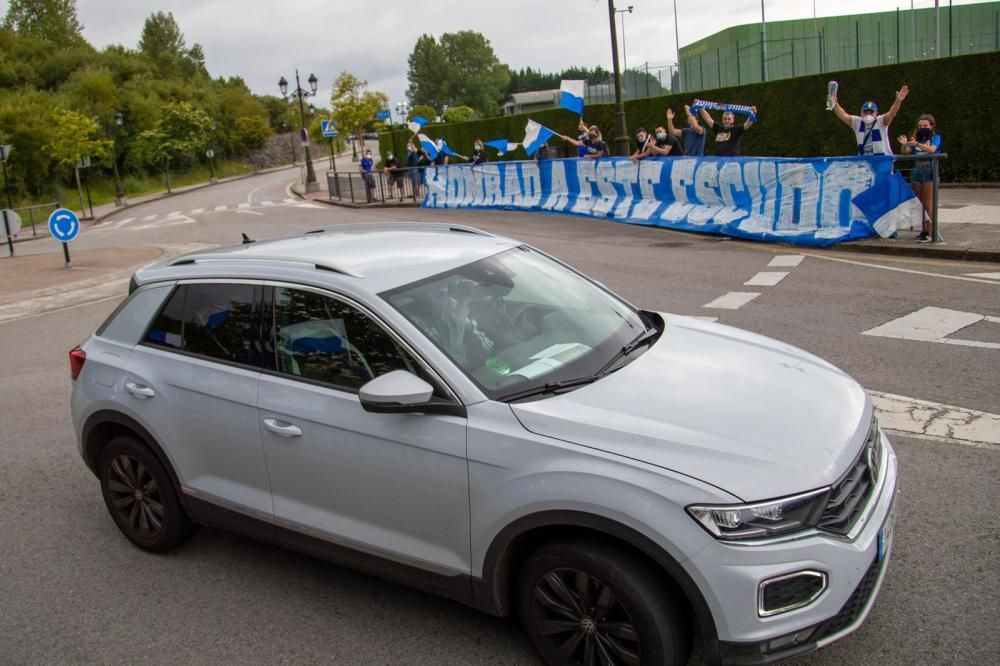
{"points": [[394, 392]]}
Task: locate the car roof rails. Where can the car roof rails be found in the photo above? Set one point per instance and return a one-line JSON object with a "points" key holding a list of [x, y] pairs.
{"points": [[399, 226]]}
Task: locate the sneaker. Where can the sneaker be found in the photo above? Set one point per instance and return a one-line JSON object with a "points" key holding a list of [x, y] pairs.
{"points": [[924, 238]]}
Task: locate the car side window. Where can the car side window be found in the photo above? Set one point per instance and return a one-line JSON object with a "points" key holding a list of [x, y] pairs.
{"points": [[326, 340], [213, 320]]}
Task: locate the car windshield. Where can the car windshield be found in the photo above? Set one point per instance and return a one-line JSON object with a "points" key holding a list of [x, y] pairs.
{"points": [[518, 321]]}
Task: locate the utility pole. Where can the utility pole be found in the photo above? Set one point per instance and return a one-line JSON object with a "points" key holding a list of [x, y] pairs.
{"points": [[763, 43], [677, 43], [621, 141]]}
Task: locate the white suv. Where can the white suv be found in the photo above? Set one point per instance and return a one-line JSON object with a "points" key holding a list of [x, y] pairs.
{"points": [[465, 414]]}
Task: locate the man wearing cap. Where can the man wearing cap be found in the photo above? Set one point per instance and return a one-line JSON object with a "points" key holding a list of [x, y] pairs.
{"points": [[871, 129]]}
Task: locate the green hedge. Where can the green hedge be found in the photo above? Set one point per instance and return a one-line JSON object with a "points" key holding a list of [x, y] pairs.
{"points": [[792, 119]]}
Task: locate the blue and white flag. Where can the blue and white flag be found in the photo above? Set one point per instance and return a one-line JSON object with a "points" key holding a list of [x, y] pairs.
{"points": [[502, 145], [890, 205], [416, 123], [428, 145], [446, 149], [534, 136], [211, 317], [571, 95]]}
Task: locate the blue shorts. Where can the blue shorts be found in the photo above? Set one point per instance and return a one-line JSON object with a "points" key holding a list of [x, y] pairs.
{"points": [[921, 174]]}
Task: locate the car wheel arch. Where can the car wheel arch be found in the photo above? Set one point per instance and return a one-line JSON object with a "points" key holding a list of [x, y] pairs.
{"points": [[510, 546], [103, 426]]}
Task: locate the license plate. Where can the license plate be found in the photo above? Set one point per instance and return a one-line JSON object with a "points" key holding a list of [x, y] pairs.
{"points": [[885, 536]]}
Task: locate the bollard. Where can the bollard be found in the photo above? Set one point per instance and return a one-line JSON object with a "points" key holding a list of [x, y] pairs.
{"points": [[935, 237]]}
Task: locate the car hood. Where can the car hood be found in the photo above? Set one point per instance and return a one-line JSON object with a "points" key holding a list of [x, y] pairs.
{"points": [[748, 414]]}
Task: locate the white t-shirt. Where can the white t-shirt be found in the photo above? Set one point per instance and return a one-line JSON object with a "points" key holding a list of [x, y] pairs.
{"points": [[878, 142]]}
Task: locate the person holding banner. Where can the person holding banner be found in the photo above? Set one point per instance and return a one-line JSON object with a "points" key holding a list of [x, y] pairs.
{"points": [[727, 133], [871, 129], [642, 139], [693, 135]]}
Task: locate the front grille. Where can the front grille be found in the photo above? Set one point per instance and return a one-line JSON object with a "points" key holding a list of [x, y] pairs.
{"points": [[855, 605], [851, 494]]}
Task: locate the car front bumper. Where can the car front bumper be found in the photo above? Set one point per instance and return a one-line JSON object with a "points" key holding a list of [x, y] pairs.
{"points": [[855, 567]]}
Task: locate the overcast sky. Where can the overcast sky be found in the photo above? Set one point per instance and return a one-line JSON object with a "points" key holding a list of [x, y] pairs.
{"points": [[263, 40]]}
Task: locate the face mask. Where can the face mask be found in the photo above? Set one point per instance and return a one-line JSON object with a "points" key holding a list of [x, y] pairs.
{"points": [[390, 156], [661, 136], [479, 146], [593, 137], [410, 149], [368, 155], [924, 133], [640, 138], [868, 119]]}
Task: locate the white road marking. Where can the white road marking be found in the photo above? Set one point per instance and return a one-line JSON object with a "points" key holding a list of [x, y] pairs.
{"points": [[932, 324], [243, 205], [903, 270], [248, 212], [766, 279], [198, 211], [291, 201], [922, 417], [122, 223], [219, 209], [308, 205], [267, 202], [790, 260], [988, 276], [173, 213], [149, 218], [734, 300], [173, 222]]}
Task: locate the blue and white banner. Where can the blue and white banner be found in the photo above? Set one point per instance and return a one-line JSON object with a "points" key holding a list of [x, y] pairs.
{"points": [[571, 95], [819, 201]]}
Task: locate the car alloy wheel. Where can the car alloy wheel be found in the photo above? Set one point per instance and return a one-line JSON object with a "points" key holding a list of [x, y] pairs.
{"points": [[583, 621], [140, 496], [135, 496]]}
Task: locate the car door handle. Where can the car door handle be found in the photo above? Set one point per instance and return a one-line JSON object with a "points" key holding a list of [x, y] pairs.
{"points": [[139, 391], [282, 429]]}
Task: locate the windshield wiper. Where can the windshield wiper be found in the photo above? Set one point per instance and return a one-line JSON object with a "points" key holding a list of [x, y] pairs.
{"points": [[643, 338], [551, 387]]}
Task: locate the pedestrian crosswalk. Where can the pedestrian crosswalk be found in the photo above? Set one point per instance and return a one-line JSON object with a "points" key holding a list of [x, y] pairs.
{"points": [[179, 217]]}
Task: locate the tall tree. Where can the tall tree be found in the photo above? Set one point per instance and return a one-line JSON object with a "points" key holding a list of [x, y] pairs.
{"points": [[461, 70], [429, 74], [352, 105], [163, 42], [51, 20]]}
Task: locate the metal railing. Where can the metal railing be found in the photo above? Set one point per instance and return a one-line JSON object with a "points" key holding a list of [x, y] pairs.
{"points": [[923, 166], [32, 214], [404, 185]]}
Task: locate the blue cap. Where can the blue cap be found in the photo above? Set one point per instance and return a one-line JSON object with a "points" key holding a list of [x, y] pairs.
{"points": [[869, 106]]}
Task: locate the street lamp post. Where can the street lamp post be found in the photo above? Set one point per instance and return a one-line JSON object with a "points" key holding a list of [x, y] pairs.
{"points": [[311, 184], [621, 141], [624, 50]]}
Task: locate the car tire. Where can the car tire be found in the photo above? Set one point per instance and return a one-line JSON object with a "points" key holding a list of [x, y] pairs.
{"points": [[140, 496], [588, 603]]}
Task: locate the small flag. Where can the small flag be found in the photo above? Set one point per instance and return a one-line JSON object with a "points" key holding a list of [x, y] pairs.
{"points": [[211, 317], [502, 145], [428, 146], [534, 136], [890, 205], [416, 123], [571, 95]]}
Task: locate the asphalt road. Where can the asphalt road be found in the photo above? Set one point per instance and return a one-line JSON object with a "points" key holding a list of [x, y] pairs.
{"points": [[72, 589]]}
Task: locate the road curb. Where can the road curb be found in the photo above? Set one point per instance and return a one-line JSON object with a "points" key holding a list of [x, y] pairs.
{"points": [[356, 206], [925, 251]]}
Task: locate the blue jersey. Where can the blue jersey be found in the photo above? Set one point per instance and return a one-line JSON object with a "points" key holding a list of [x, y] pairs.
{"points": [[367, 164], [694, 143]]}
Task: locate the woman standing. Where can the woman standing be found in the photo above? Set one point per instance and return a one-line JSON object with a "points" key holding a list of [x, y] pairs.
{"points": [[593, 144], [924, 140]]}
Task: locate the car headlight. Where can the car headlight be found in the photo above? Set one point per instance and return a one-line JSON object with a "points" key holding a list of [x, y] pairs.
{"points": [[761, 520]]}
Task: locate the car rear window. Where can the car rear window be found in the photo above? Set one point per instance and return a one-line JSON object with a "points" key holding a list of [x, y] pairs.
{"points": [[213, 320]]}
